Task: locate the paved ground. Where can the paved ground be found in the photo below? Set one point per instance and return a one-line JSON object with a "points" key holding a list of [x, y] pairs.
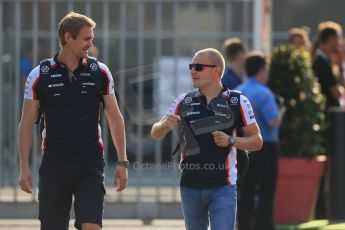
{"points": [[30, 224], [134, 224]]}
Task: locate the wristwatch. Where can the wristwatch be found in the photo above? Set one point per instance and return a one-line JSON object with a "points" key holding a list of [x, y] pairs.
{"points": [[232, 140], [123, 163]]}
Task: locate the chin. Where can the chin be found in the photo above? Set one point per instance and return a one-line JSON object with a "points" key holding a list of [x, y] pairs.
{"points": [[84, 54]]}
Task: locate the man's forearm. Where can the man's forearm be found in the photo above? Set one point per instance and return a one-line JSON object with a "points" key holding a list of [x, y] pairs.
{"points": [[158, 131], [117, 130], [24, 144], [250, 143]]}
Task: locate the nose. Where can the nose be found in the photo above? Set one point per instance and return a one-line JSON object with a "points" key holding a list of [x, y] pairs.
{"points": [[192, 70]]}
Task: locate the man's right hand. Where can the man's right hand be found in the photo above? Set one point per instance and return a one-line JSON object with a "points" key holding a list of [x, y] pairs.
{"points": [[161, 128], [25, 180], [169, 122]]}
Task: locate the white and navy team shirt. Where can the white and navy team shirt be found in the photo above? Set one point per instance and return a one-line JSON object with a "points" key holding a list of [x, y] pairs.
{"points": [[208, 165], [71, 106]]}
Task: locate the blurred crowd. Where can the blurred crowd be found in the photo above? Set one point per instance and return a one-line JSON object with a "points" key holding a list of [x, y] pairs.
{"points": [[327, 57], [327, 52]]}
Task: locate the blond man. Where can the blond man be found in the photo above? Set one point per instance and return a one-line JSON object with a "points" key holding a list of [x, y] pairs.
{"points": [[67, 90], [208, 118]]}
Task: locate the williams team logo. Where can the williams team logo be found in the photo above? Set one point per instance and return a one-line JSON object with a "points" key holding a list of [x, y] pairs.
{"points": [[234, 100], [188, 100], [93, 66], [44, 69]]}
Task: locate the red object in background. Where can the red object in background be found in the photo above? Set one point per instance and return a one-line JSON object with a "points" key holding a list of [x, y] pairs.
{"points": [[297, 189]]}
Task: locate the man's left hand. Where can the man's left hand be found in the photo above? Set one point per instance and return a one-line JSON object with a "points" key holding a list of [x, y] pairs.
{"points": [[121, 178], [220, 138]]}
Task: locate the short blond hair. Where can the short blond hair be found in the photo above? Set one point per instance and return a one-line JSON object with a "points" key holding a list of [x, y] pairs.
{"points": [[214, 56], [330, 25], [73, 23]]}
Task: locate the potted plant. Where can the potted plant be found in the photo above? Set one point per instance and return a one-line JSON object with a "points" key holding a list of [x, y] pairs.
{"points": [[301, 134]]}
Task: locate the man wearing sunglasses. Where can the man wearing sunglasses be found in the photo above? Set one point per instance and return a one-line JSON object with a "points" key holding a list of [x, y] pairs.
{"points": [[207, 119]]}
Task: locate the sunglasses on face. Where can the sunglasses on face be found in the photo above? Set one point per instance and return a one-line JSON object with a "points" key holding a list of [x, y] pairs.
{"points": [[199, 67]]}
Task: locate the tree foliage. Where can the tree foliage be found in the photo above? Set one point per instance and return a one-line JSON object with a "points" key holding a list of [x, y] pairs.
{"points": [[291, 77]]}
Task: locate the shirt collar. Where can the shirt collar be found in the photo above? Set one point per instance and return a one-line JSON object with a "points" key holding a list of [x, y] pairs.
{"points": [[82, 62], [323, 55], [232, 72], [200, 94], [253, 80]]}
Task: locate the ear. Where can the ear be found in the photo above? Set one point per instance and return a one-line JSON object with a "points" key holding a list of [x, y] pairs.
{"points": [[217, 71], [68, 37], [262, 73]]}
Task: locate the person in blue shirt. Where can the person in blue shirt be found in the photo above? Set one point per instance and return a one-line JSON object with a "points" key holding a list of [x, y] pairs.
{"points": [[260, 180], [235, 52]]}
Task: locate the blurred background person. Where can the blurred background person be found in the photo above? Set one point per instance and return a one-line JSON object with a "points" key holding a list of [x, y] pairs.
{"points": [[338, 67], [299, 37], [260, 180], [327, 45], [326, 66], [235, 52]]}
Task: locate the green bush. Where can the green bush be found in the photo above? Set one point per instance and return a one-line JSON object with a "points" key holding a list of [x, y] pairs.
{"points": [[291, 77]]}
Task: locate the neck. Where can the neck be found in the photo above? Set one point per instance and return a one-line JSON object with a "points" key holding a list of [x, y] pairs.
{"points": [[259, 79], [212, 91], [325, 49], [68, 59], [236, 68]]}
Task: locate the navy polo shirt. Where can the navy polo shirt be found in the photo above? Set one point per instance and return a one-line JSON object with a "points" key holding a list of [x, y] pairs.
{"points": [[70, 103], [207, 165]]}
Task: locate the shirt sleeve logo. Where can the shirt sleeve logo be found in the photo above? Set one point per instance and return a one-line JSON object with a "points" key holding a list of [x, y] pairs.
{"points": [[93, 66], [188, 100], [234, 100], [45, 69]]}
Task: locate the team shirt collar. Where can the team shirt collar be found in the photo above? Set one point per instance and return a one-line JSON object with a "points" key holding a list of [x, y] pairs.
{"points": [[82, 62]]}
